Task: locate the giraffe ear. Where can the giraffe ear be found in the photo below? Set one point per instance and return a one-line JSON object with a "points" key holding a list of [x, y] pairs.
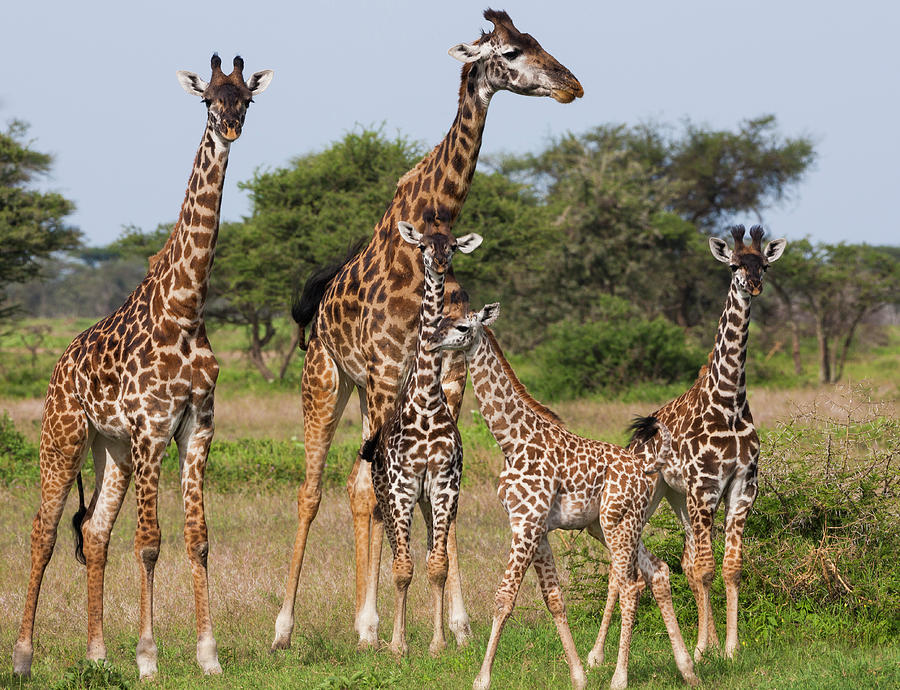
{"points": [[469, 243], [775, 249], [719, 250], [192, 83], [489, 313], [260, 81], [409, 233], [469, 52]]}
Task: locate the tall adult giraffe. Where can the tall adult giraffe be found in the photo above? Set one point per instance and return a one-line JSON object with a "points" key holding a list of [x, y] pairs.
{"points": [[128, 385], [364, 314], [716, 445]]}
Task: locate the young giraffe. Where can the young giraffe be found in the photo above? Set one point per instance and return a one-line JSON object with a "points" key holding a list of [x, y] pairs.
{"points": [[130, 384], [716, 446], [417, 455], [554, 479], [364, 313]]}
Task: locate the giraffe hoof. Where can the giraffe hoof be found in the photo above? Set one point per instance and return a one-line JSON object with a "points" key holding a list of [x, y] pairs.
{"points": [[436, 648], [462, 631], [22, 656], [280, 643]]}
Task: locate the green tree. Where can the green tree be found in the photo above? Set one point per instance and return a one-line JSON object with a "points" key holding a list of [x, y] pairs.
{"points": [[837, 286], [303, 216], [31, 222]]}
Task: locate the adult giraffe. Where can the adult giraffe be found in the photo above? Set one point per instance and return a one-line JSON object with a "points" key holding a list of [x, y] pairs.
{"points": [[128, 385], [364, 314]]}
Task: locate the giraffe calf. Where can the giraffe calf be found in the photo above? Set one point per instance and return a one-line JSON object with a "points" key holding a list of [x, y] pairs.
{"points": [[554, 479], [417, 455]]}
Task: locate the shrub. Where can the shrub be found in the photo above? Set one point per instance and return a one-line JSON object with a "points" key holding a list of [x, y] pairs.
{"points": [[18, 457], [611, 354]]}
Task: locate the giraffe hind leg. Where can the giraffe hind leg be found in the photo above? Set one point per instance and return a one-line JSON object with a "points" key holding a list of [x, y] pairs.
{"points": [[62, 451]]}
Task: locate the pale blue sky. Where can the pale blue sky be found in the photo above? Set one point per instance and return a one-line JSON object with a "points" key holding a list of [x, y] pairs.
{"points": [[96, 81]]}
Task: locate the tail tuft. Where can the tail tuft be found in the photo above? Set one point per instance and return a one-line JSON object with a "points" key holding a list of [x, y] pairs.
{"points": [[367, 452], [77, 519], [645, 428]]}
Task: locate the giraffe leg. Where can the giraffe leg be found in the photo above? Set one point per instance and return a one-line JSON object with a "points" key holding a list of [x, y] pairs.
{"points": [[147, 538], [454, 385], [195, 441], [526, 539], [657, 574], [402, 569], [703, 570], [623, 543], [597, 654], [552, 593], [368, 615], [62, 452], [740, 499], [688, 558], [442, 508], [325, 392], [96, 530]]}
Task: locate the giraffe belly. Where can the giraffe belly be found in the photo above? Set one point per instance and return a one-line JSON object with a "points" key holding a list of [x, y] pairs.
{"points": [[573, 512]]}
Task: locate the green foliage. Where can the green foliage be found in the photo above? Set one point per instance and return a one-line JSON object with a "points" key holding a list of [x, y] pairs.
{"points": [[87, 675], [620, 349], [820, 541], [31, 222], [18, 457]]}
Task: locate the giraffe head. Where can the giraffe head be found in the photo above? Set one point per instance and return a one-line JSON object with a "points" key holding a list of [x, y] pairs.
{"points": [[438, 245], [514, 61], [464, 333], [227, 97], [747, 263]]}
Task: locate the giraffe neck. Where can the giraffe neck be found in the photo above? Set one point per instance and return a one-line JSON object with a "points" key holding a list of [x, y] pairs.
{"points": [[426, 395], [726, 380], [442, 179], [187, 258], [505, 405]]}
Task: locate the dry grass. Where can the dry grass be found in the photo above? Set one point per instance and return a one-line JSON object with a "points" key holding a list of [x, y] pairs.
{"points": [[251, 536]]}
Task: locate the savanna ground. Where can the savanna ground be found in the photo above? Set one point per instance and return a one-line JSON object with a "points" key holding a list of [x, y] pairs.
{"points": [[820, 605]]}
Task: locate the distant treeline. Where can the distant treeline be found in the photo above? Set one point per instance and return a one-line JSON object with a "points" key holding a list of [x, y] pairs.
{"points": [[606, 227]]}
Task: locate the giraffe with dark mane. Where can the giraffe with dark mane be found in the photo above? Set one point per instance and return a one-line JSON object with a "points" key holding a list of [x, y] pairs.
{"points": [[133, 382], [364, 312]]}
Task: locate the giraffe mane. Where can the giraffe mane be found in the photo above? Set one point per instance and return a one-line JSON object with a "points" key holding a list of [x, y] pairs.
{"points": [[539, 408]]}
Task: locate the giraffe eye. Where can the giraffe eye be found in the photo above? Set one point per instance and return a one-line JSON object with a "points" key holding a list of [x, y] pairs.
{"points": [[512, 54], [733, 268], [462, 329]]}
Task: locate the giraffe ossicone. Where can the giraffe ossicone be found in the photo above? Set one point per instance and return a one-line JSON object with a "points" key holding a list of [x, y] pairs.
{"points": [[129, 385], [716, 444], [363, 313], [555, 479]]}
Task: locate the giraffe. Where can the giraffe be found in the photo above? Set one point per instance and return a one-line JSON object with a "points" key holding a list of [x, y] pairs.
{"points": [[716, 445], [364, 312], [128, 385], [554, 479], [417, 456]]}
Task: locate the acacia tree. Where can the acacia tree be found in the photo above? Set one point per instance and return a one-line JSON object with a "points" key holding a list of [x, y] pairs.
{"points": [[838, 286], [31, 222]]}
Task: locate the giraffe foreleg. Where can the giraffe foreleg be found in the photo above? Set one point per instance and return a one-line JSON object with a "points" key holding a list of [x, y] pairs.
{"points": [[401, 508], [525, 541], [454, 385], [439, 514], [596, 656], [196, 538], [740, 500], [703, 570], [552, 593], [324, 391]]}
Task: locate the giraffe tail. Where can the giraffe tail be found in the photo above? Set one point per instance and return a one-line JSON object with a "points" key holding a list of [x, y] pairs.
{"points": [[77, 519], [645, 428], [369, 449]]}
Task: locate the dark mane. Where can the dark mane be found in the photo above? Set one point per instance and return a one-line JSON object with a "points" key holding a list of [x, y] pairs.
{"points": [[537, 407], [642, 429], [305, 305]]}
